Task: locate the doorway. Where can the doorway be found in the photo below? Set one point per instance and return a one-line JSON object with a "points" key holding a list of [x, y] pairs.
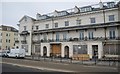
{"points": [[66, 51], [95, 51], [45, 51]]}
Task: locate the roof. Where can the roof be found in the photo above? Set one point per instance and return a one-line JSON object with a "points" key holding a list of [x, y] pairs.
{"points": [[4, 28], [26, 16]]}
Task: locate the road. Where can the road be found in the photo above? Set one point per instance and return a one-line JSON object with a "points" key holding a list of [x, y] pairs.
{"points": [[13, 68], [24, 65]]}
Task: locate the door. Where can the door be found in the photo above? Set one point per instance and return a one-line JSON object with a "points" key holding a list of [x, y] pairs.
{"points": [[94, 51], [56, 50], [66, 51], [44, 51]]}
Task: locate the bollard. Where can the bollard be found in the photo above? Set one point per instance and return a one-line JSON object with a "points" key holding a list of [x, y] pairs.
{"points": [[71, 60], [109, 61], [51, 58], [82, 59], [44, 58], [60, 59], [95, 60]]}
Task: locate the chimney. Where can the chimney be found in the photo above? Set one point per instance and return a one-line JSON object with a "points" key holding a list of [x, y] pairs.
{"points": [[101, 5], [37, 16]]}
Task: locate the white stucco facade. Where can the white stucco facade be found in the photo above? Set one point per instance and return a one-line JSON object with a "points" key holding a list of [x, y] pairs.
{"points": [[98, 28]]}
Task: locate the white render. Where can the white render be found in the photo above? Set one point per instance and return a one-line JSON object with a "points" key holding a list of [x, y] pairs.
{"points": [[100, 30]]}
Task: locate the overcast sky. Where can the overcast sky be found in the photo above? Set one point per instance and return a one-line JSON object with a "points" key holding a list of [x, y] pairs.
{"points": [[11, 11]]}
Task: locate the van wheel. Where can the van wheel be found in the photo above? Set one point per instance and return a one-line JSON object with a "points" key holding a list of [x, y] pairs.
{"points": [[16, 57]]}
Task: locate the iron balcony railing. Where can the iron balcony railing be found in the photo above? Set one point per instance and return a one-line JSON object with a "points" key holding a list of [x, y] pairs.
{"points": [[16, 41], [77, 39], [24, 41], [36, 41]]}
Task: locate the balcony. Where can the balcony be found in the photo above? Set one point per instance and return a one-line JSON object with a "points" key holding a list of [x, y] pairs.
{"points": [[82, 39], [16, 41], [24, 41], [36, 41], [24, 33]]}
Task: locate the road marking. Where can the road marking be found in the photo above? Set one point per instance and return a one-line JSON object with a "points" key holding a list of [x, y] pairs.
{"points": [[41, 68]]}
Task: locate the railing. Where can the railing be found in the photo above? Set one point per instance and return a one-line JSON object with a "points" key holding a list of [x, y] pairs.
{"points": [[36, 41], [77, 60], [24, 33], [23, 41], [16, 41], [77, 39]]}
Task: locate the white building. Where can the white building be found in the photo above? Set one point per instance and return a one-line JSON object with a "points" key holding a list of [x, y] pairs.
{"points": [[90, 30]]}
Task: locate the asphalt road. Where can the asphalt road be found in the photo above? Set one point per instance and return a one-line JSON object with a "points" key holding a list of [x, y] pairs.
{"points": [[51, 67], [13, 68]]}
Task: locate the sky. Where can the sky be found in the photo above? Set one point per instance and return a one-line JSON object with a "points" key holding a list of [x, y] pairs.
{"points": [[11, 11]]}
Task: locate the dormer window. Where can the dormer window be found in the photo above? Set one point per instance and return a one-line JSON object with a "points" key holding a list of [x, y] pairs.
{"points": [[86, 9], [110, 4]]}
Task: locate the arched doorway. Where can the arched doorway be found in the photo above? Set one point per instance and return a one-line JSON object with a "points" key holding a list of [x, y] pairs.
{"points": [[66, 51], [44, 51]]}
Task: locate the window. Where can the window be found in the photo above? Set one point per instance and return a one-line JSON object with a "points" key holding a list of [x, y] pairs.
{"points": [[111, 18], [57, 36], [47, 25], [32, 27], [90, 34], [92, 20], [37, 48], [6, 34], [37, 27], [9, 41], [66, 23], [111, 4], [24, 38], [79, 49], [78, 22], [24, 28], [45, 37], [56, 25], [111, 49], [6, 40], [64, 36], [81, 35], [112, 34]]}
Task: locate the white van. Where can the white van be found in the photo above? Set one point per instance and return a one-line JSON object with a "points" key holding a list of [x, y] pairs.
{"points": [[17, 53]]}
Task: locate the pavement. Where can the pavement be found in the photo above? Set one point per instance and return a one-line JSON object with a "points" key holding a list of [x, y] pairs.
{"points": [[63, 60], [57, 66]]}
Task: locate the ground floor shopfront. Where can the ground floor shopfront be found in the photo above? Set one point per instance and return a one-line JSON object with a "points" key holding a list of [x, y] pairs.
{"points": [[92, 49]]}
